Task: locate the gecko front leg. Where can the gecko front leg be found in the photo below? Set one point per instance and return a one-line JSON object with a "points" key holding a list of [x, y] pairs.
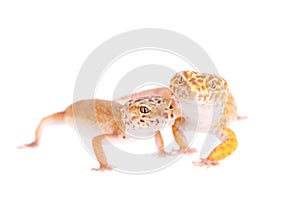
{"points": [[99, 152], [180, 138], [223, 150], [160, 145]]}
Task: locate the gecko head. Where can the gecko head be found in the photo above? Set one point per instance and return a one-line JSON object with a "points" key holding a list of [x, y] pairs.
{"points": [[146, 115], [216, 83], [191, 85], [188, 85]]}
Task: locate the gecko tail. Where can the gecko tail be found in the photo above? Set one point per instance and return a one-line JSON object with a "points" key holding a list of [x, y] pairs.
{"points": [[54, 119]]}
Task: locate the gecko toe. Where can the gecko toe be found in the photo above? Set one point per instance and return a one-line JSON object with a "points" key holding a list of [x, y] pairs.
{"points": [[205, 162], [102, 168]]}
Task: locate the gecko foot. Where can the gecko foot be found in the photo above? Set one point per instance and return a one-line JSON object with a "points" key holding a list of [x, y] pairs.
{"points": [[164, 153], [185, 150], [102, 168], [206, 162], [33, 144]]}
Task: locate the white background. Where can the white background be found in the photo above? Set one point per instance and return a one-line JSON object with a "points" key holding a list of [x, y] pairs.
{"points": [[254, 44]]}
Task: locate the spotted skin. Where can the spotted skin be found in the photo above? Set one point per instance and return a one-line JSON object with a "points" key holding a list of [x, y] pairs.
{"points": [[149, 112], [146, 116], [211, 91], [112, 120]]}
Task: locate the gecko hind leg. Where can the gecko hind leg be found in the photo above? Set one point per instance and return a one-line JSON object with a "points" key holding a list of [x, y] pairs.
{"points": [[54, 119], [231, 110], [223, 150]]}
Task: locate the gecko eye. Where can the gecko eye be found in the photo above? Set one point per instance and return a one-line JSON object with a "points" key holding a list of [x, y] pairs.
{"points": [[180, 81], [170, 106], [144, 109], [212, 84]]}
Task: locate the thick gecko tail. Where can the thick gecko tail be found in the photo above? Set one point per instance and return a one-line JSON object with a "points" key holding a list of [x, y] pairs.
{"points": [[54, 119]]}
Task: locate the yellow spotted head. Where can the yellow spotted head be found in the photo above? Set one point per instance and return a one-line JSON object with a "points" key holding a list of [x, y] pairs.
{"points": [[191, 85]]}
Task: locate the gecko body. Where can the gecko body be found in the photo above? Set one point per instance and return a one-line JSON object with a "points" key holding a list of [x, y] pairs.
{"points": [[109, 119], [194, 102], [216, 109], [206, 105]]}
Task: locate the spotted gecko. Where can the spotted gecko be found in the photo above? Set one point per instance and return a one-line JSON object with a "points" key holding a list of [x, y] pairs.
{"points": [[113, 120], [207, 106], [216, 109]]}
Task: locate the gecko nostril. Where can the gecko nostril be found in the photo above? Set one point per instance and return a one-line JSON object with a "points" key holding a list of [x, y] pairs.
{"points": [[157, 121], [165, 115]]}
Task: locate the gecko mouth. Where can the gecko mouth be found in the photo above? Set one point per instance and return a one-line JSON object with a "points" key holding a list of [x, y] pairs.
{"points": [[141, 133], [148, 129]]}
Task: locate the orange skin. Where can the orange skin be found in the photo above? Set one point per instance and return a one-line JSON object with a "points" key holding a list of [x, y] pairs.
{"points": [[210, 92], [111, 122]]}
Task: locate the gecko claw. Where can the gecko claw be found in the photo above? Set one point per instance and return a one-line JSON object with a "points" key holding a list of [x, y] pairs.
{"points": [[206, 162], [102, 168], [164, 153], [186, 151]]}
